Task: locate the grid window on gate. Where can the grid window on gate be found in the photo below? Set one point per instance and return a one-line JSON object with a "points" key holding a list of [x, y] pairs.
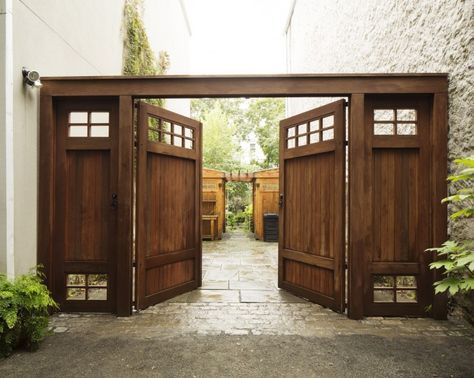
{"points": [[86, 287], [395, 122], [394, 289], [317, 130], [166, 132], [88, 124]]}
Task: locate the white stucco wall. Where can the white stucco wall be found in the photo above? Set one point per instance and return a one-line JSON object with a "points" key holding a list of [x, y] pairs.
{"points": [[334, 36], [56, 38], [167, 28]]}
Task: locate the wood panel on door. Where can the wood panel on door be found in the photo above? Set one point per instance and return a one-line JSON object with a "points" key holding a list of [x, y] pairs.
{"points": [[85, 222], [312, 185], [168, 245], [398, 280]]}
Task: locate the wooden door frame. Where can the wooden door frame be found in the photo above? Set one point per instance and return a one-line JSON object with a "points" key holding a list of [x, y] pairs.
{"points": [[353, 86]]}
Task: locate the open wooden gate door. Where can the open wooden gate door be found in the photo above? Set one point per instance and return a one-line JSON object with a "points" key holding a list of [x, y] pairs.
{"points": [[312, 205], [168, 250]]}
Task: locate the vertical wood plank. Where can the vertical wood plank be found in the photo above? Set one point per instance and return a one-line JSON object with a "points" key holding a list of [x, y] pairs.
{"points": [[141, 208], [125, 213], [198, 208], [46, 187], [439, 171], [360, 204]]}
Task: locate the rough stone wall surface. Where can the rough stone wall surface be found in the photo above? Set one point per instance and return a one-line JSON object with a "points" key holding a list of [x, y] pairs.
{"points": [[341, 36]]}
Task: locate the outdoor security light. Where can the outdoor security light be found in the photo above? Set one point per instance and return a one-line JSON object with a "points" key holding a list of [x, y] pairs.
{"points": [[32, 78]]}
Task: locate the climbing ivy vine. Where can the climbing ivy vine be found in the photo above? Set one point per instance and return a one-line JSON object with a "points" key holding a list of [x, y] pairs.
{"points": [[139, 58]]}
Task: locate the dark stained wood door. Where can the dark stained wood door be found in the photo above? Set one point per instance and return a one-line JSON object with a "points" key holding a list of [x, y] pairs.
{"points": [[398, 281], [86, 205], [312, 202], [168, 244]]}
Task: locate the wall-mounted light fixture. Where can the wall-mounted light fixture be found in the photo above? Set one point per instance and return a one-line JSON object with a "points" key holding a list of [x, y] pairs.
{"points": [[31, 78]]}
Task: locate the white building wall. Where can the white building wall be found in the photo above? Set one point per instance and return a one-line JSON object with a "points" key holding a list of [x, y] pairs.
{"points": [[168, 30], [56, 38], [368, 36]]}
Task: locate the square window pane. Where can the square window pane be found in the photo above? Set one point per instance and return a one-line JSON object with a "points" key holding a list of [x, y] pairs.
{"points": [[384, 129], [291, 143], [188, 132], [97, 294], [166, 138], [291, 131], [166, 126], [406, 128], [188, 144], [153, 123], [78, 117], [302, 140], [101, 131], [178, 141], [76, 280], [406, 296], [406, 282], [314, 125], [302, 128], [78, 131], [97, 279], [328, 121], [314, 138], [406, 114], [153, 135], [100, 117], [384, 115], [76, 294], [178, 129], [328, 134], [384, 281], [385, 296]]}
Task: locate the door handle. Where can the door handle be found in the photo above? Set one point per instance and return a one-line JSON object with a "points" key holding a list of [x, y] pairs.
{"points": [[114, 203], [280, 202]]}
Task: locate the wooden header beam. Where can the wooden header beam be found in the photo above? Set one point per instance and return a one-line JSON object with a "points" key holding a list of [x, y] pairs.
{"points": [[244, 86]]}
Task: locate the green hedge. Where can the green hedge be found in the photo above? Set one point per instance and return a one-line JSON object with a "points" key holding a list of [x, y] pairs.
{"points": [[24, 305]]}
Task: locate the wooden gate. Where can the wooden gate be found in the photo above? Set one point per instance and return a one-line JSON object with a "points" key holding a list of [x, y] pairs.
{"points": [[86, 205], [312, 186], [168, 249], [397, 279]]}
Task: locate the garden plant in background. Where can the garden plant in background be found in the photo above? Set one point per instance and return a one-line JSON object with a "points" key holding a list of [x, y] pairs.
{"points": [[456, 257], [24, 311]]}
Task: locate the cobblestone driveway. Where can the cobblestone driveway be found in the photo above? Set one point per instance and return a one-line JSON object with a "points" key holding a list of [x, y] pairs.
{"points": [[239, 296], [240, 325]]}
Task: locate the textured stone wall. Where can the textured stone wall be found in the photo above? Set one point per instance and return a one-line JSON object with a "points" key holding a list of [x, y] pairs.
{"points": [[334, 36]]}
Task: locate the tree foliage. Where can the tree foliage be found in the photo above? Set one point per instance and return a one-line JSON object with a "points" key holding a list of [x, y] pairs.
{"points": [[219, 144], [457, 257], [263, 117], [245, 116]]}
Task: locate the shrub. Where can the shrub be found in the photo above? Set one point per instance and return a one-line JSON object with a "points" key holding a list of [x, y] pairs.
{"points": [[24, 305], [457, 257], [230, 219]]}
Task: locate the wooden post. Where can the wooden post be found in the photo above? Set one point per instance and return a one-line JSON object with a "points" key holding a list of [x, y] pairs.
{"points": [[359, 205], [46, 187], [125, 197], [439, 171]]}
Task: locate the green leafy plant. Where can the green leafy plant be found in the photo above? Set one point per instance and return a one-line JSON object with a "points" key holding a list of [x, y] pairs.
{"points": [[139, 58], [248, 212], [24, 306], [457, 257]]}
